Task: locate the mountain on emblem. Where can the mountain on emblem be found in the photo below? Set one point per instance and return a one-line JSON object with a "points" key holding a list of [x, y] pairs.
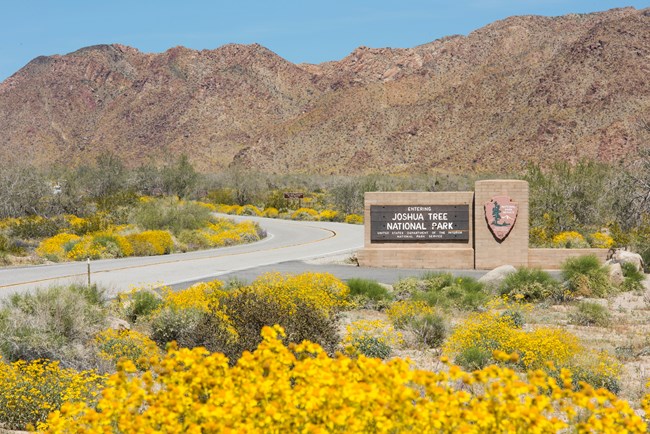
{"points": [[501, 214]]}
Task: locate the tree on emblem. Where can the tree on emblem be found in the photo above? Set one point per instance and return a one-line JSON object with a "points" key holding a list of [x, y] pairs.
{"points": [[496, 213]]}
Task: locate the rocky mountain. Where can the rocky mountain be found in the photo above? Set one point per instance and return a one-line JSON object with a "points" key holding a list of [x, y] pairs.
{"points": [[524, 89]]}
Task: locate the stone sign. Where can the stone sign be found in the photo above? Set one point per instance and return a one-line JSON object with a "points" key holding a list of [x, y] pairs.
{"points": [[500, 214], [412, 223]]}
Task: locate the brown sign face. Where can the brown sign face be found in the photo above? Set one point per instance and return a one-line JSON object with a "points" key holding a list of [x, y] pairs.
{"points": [[501, 214]]}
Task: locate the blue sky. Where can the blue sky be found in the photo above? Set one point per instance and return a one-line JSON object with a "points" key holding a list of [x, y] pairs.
{"points": [[300, 31]]}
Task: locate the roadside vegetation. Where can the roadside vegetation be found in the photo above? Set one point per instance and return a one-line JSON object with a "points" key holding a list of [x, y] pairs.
{"points": [[571, 206], [291, 348]]}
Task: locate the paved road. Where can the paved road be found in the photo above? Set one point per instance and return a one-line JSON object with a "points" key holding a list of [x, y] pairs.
{"points": [[287, 241]]}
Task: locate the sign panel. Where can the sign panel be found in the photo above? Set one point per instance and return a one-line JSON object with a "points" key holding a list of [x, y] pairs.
{"points": [[501, 214], [294, 195], [411, 223]]}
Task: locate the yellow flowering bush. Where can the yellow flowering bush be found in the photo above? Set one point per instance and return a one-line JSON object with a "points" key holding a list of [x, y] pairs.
{"points": [[251, 210], [54, 248], [322, 291], [601, 240], [222, 233], [300, 389], [354, 219], [372, 338], [29, 391], [402, 312], [305, 214], [203, 296], [329, 215], [271, 213], [100, 245], [151, 243], [228, 209], [115, 345], [491, 331], [569, 240]]}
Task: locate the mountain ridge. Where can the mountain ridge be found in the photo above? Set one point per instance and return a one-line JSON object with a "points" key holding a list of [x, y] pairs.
{"points": [[519, 90]]}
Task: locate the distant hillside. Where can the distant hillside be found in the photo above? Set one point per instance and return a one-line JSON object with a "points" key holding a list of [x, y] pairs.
{"points": [[524, 89]]}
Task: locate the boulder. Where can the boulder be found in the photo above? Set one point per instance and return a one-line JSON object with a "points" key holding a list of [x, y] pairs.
{"points": [[620, 256], [615, 273], [494, 277], [117, 323]]}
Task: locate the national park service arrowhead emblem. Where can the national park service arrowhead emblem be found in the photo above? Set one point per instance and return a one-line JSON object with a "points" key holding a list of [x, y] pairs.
{"points": [[501, 214]]}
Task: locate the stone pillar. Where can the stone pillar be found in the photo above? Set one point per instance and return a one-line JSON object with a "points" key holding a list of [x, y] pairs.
{"points": [[490, 252]]}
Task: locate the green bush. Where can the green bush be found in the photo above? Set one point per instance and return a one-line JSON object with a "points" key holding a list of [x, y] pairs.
{"points": [[367, 289], [444, 290], [176, 324], [141, 304], [530, 284], [589, 313], [9, 246], [54, 323], [473, 358], [34, 227], [586, 276], [170, 214], [633, 277], [249, 311], [429, 330], [515, 316], [372, 346]]}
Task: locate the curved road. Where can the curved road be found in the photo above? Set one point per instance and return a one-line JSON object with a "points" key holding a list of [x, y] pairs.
{"points": [[286, 241]]}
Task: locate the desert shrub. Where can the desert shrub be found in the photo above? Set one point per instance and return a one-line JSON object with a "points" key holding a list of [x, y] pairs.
{"points": [[175, 324], [196, 390], [586, 276], [247, 311], [97, 222], [474, 358], [100, 245], [516, 317], [56, 248], [305, 214], [250, 210], [366, 291], [271, 213], [354, 219], [588, 313], [600, 240], [444, 290], [321, 291], [29, 391], [329, 215], [115, 345], [8, 245], [372, 338], [490, 333], [402, 312], [32, 227], [429, 329], [569, 240], [54, 323], [633, 277], [149, 243], [170, 215], [531, 284], [137, 303], [221, 233]]}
